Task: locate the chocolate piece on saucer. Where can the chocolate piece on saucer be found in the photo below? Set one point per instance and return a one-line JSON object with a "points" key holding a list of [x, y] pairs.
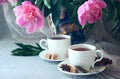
{"points": [[104, 62]]}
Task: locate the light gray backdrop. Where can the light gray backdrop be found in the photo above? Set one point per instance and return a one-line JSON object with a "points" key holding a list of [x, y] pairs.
{"points": [[4, 31]]}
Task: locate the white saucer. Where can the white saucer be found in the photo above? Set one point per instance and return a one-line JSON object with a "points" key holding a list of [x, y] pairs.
{"points": [[43, 53], [91, 72]]}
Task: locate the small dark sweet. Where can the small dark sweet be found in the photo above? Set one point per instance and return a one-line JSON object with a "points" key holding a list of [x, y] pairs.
{"points": [[65, 67], [103, 62]]}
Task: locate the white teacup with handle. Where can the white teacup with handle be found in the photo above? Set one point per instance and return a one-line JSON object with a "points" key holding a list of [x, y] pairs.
{"points": [[57, 44], [84, 55]]}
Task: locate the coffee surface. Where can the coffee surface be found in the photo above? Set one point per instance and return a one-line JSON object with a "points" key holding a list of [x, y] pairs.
{"points": [[58, 38], [81, 49]]}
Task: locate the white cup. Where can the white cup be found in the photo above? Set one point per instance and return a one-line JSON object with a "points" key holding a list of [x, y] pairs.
{"points": [[57, 44], [84, 55]]}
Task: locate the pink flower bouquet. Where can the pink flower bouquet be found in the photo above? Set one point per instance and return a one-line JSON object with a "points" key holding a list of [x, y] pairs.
{"points": [[30, 14]]}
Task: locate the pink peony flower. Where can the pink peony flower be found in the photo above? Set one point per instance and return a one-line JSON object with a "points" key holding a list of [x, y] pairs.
{"points": [[90, 11], [29, 16]]}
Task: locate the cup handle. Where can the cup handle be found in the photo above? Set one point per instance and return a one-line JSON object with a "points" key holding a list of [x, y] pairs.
{"points": [[101, 57], [43, 43]]}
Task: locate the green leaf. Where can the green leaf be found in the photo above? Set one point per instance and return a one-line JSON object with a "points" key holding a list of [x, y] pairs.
{"points": [[39, 3], [46, 11], [22, 46], [53, 2], [56, 11], [17, 50], [47, 4], [26, 50], [19, 2], [33, 1], [78, 2], [71, 10], [115, 26], [38, 46]]}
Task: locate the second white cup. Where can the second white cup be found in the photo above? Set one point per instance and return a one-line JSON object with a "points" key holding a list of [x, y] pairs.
{"points": [[57, 44]]}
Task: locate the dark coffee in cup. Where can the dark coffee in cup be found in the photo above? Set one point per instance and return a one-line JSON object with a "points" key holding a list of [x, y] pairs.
{"points": [[81, 49]]}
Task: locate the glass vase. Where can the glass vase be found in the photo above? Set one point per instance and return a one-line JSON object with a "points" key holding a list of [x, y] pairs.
{"points": [[18, 33]]}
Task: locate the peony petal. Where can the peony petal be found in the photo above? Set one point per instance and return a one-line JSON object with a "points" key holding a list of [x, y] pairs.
{"points": [[82, 20], [87, 7], [101, 3], [81, 10], [20, 21], [89, 17], [99, 15], [31, 28], [17, 10], [40, 22], [26, 3]]}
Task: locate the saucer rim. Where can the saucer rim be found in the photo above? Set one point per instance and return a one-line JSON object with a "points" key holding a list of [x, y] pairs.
{"points": [[100, 69], [43, 57]]}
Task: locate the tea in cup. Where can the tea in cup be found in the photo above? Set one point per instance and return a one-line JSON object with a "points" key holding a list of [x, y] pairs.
{"points": [[84, 55], [57, 44]]}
